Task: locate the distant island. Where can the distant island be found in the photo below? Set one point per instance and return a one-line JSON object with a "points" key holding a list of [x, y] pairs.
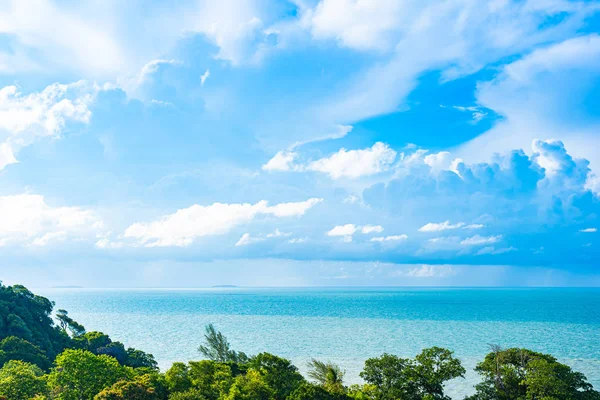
{"points": [[224, 286]]}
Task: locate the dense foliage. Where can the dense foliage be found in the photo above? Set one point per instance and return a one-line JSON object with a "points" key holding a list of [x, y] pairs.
{"points": [[44, 360]]}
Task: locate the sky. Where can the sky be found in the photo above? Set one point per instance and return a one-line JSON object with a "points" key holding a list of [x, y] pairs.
{"points": [[299, 143]]}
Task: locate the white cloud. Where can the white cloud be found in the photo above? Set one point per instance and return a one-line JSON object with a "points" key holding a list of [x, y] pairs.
{"points": [[359, 24], [431, 271], [442, 226], [236, 28], [28, 219], [351, 199], [372, 229], [392, 238], [278, 233], [530, 95], [106, 243], [437, 161], [355, 163], [493, 250], [152, 67], [204, 77], [477, 114], [298, 240], [589, 230], [480, 240], [134, 85], [246, 239], [346, 231], [25, 118], [292, 209], [282, 161], [62, 36], [474, 226], [412, 37], [186, 225]]}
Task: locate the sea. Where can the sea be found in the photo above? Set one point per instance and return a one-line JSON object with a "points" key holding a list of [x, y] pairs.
{"points": [[348, 325]]}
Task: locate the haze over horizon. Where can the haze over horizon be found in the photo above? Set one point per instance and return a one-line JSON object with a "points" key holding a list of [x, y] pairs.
{"points": [[299, 143]]}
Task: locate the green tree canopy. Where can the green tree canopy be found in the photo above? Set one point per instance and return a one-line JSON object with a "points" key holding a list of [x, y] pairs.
{"points": [[178, 378], [250, 386], [14, 348], [21, 381], [191, 394], [280, 374], [521, 374], [67, 323], [309, 391], [29, 317], [212, 378], [139, 388], [80, 374], [327, 374], [419, 378], [217, 348]]}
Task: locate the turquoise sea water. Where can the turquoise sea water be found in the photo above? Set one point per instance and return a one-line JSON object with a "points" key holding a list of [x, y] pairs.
{"points": [[348, 325]]}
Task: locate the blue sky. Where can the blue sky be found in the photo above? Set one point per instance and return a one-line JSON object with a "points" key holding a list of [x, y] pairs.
{"points": [[332, 142]]}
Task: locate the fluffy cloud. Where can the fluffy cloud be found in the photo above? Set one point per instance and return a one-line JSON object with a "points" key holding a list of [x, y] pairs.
{"points": [[204, 77], [28, 220], [442, 226], [589, 230], [359, 24], [25, 118], [114, 41], [282, 161], [344, 163], [278, 233], [530, 94], [392, 238], [480, 240], [246, 239], [346, 231], [372, 229], [186, 225], [355, 163]]}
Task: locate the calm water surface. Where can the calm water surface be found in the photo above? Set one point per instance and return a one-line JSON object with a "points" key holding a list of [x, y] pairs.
{"points": [[348, 325]]}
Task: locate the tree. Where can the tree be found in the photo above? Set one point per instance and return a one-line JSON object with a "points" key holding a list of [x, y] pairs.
{"points": [[14, 348], [29, 317], [435, 366], [68, 323], [251, 386], [21, 381], [178, 378], [388, 374], [80, 374], [116, 350], [213, 379], [191, 394], [309, 391], [139, 388], [217, 348], [419, 378], [523, 374], [280, 374], [327, 374], [92, 341], [139, 359]]}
